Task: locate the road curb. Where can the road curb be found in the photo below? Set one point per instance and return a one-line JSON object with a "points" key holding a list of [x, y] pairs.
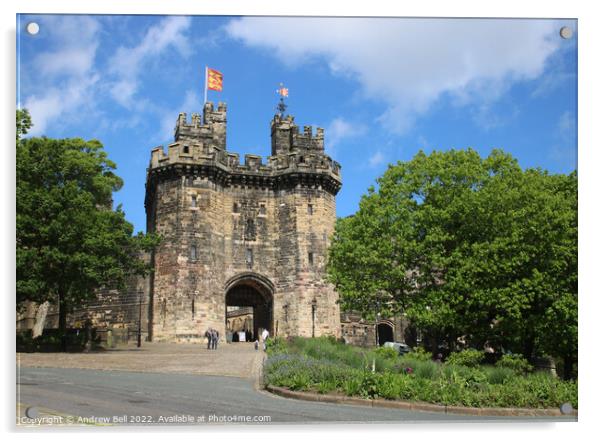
{"points": [[413, 405]]}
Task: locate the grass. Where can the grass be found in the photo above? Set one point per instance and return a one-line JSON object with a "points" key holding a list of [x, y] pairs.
{"points": [[324, 366]]}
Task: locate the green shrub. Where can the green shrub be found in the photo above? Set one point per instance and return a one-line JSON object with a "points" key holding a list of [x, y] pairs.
{"points": [[386, 353], [389, 385], [498, 375], [369, 385], [516, 362], [326, 386], [300, 381], [450, 384], [467, 357], [352, 385], [419, 354], [426, 369], [276, 345]]}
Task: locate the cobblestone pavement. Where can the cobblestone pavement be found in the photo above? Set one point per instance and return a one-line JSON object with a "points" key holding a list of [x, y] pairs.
{"points": [[232, 360]]}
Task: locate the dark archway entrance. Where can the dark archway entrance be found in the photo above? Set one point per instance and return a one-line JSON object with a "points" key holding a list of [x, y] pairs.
{"points": [[250, 292], [385, 333]]}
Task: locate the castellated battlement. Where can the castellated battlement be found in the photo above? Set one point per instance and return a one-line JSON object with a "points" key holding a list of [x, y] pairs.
{"points": [[199, 148]]}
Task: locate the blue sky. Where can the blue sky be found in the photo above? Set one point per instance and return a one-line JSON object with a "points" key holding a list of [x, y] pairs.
{"points": [[382, 88]]}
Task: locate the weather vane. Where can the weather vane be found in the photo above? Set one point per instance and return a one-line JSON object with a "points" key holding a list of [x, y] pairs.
{"points": [[283, 92]]}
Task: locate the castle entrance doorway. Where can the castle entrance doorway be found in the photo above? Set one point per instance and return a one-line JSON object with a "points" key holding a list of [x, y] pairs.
{"points": [[385, 333], [249, 309]]}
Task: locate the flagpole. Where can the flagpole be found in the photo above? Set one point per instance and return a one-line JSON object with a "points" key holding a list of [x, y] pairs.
{"points": [[205, 102]]}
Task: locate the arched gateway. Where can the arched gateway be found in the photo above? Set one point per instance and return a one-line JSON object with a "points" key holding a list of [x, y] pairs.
{"points": [[385, 332], [251, 235], [251, 290]]}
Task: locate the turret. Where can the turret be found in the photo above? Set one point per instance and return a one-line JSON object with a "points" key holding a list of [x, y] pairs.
{"points": [[210, 128], [286, 137]]}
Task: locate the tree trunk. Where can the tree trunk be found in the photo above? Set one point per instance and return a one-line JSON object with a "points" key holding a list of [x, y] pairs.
{"points": [[567, 369], [63, 321], [528, 347], [41, 313]]}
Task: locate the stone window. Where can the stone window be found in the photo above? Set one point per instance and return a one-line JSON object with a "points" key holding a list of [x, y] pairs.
{"points": [[310, 258], [193, 253], [249, 257], [310, 209], [192, 307], [250, 230], [235, 208], [193, 201], [262, 209], [186, 150]]}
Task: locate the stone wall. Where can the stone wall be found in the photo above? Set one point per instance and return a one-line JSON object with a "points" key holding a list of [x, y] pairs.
{"points": [[360, 332]]}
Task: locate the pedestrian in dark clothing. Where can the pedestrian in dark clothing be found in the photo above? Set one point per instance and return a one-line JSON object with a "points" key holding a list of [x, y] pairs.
{"points": [[208, 336], [215, 338]]}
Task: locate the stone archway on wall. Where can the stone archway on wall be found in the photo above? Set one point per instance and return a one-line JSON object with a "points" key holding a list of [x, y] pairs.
{"points": [[256, 291], [386, 332]]}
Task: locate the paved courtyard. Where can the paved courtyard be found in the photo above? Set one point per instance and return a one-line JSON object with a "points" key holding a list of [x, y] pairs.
{"points": [[231, 360]]}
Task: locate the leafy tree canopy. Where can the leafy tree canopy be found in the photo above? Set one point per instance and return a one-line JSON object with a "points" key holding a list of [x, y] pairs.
{"points": [[23, 122], [69, 239], [466, 246]]}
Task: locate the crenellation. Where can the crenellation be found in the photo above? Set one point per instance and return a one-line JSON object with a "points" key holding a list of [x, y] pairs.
{"points": [[203, 147], [253, 162]]}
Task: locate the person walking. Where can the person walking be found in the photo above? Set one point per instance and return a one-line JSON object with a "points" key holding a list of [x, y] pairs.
{"points": [[208, 336], [212, 338], [264, 336], [215, 338]]}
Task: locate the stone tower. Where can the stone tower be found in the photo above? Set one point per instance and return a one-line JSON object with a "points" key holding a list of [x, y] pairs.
{"points": [[248, 235]]}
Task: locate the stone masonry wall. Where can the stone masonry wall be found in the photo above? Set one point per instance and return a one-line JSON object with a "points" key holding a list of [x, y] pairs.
{"points": [[265, 225]]}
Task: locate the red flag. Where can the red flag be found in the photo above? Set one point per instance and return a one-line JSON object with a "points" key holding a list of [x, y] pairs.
{"points": [[215, 80]]}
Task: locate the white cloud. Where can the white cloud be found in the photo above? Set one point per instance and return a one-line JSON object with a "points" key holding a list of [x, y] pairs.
{"points": [[65, 73], [565, 148], [376, 159], [424, 143], [192, 104], [76, 41], [410, 63], [340, 129], [566, 124], [59, 102], [127, 63], [66, 82]]}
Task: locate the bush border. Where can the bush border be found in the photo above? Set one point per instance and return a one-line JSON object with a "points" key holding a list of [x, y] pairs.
{"points": [[417, 405]]}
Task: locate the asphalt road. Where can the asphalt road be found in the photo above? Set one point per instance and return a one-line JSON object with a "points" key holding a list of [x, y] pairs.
{"points": [[117, 397]]}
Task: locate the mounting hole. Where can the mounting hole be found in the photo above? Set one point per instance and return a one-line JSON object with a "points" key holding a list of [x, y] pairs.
{"points": [[32, 28], [566, 32], [566, 408], [31, 413]]}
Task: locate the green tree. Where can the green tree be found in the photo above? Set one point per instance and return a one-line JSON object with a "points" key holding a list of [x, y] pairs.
{"points": [[23, 122], [69, 240], [469, 246]]}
